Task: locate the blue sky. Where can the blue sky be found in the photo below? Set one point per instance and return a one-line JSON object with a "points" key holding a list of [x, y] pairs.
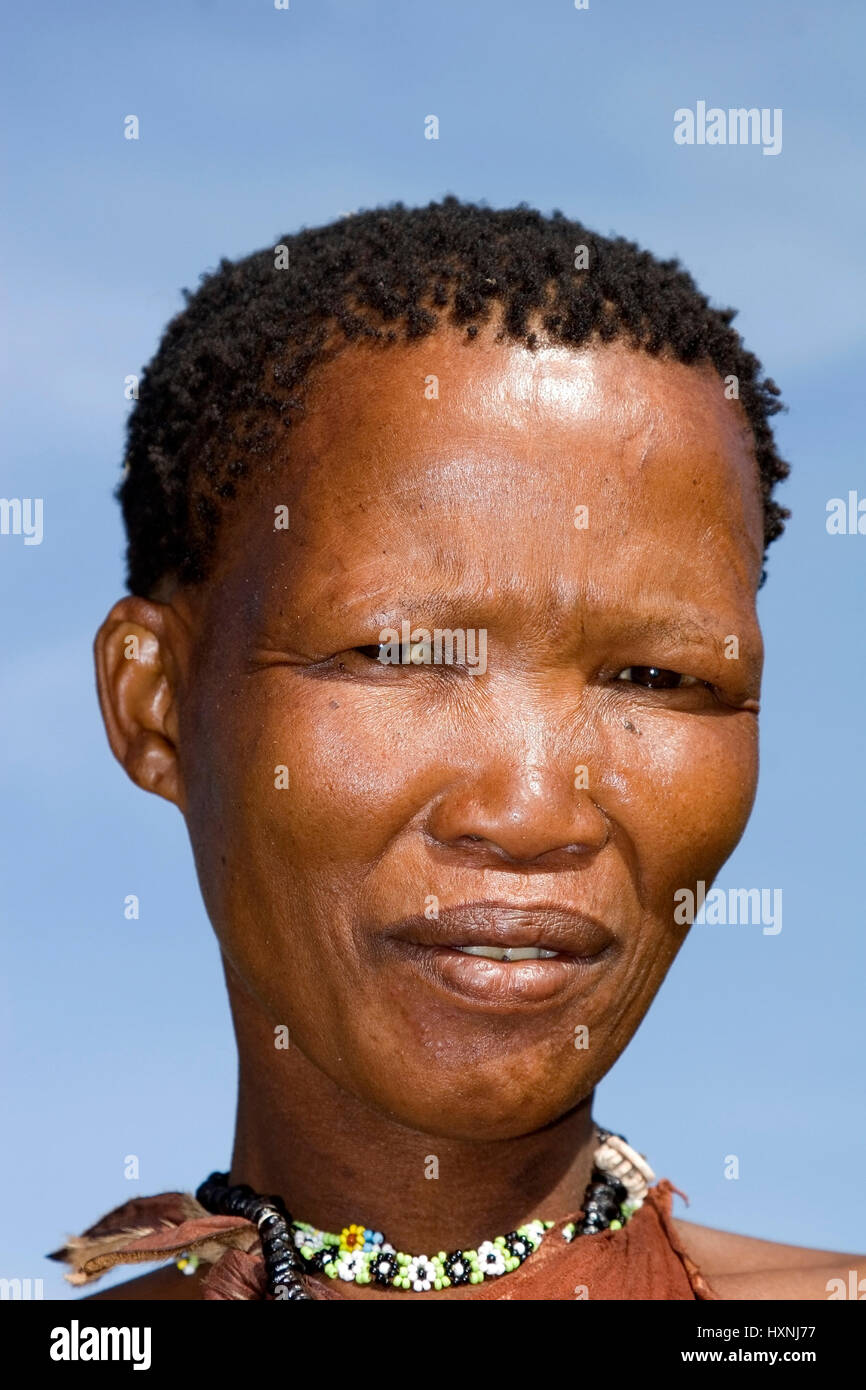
{"points": [[253, 123]]}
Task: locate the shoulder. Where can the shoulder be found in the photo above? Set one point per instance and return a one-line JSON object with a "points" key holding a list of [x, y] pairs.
{"points": [[743, 1267]]}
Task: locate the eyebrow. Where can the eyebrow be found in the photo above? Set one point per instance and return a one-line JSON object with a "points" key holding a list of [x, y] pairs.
{"points": [[685, 630], [689, 631]]}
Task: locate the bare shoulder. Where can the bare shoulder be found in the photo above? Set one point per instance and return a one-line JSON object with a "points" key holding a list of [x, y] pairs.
{"points": [[167, 1282], [742, 1267]]}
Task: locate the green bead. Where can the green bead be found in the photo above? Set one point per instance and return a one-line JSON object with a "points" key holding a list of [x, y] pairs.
{"points": [[500, 1240], [437, 1283], [443, 1256], [307, 1252], [615, 1226], [446, 1282], [331, 1270], [476, 1277]]}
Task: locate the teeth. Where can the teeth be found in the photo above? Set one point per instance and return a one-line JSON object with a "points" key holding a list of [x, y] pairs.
{"points": [[507, 952]]}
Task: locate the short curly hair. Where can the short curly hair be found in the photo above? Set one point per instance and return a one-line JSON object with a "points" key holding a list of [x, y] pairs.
{"points": [[227, 376]]}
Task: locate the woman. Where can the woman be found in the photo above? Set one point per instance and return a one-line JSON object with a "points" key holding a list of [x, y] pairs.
{"points": [[445, 531]]}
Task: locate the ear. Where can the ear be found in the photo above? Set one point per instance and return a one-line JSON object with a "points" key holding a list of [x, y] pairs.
{"points": [[138, 652]]}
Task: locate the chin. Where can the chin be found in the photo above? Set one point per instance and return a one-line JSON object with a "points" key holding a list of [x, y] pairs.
{"points": [[482, 1103]]}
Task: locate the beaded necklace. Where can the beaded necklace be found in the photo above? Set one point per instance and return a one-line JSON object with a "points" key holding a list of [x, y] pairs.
{"points": [[619, 1183]]}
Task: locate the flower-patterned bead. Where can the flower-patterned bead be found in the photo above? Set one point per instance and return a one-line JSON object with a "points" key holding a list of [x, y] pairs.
{"points": [[457, 1267], [517, 1245], [420, 1272], [352, 1238], [491, 1260], [383, 1267], [352, 1265]]}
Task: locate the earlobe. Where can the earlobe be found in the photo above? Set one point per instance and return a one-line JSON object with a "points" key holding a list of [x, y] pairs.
{"points": [[136, 675]]}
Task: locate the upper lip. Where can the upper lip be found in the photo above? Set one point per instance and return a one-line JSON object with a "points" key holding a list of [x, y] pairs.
{"points": [[549, 926]]}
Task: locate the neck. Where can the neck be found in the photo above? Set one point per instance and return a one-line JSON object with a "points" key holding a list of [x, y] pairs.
{"points": [[335, 1160]]}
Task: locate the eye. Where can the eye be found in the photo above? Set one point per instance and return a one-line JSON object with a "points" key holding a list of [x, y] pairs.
{"points": [[656, 678], [368, 655], [420, 654]]}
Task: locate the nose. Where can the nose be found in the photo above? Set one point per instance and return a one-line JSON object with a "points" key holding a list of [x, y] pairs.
{"points": [[522, 808]]}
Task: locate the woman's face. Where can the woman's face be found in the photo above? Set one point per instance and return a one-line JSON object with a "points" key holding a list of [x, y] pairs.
{"points": [[595, 515]]}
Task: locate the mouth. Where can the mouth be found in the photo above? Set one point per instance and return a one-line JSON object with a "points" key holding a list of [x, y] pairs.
{"points": [[508, 953], [501, 955]]}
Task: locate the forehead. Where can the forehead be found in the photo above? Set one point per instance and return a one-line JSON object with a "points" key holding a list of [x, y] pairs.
{"points": [[445, 453]]}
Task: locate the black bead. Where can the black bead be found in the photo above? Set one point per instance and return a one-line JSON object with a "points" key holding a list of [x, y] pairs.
{"points": [[608, 1207], [238, 1201], [207, 1193], [383, 1267], [268, 1230], [282, 1250], [281, 1272], [457, 1258], [272, 1222], [518, 1245], [281, 1277], [281, 1259], [277, 1239], [324, 1257]]}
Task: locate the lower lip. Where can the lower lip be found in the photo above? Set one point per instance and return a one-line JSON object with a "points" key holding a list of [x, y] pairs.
{"points": [[503, 983]]}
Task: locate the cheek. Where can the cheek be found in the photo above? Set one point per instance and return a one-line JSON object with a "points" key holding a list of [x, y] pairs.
{"points": [[294, 790], [681, 788], [272, 761], [358, 768]]}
